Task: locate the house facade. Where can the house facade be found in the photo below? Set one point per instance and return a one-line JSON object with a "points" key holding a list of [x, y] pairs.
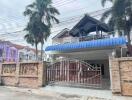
{"points": [[8, 53], [81, 55], [25, 53]]}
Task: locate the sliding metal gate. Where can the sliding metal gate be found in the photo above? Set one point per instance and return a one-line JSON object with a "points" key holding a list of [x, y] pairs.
{"points": [[74, 73]]}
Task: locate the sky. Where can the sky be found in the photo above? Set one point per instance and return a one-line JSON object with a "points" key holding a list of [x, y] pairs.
{"points": [[12, 19]]}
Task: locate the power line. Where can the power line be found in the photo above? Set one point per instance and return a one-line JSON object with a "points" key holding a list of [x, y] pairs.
{"points": [[23, 30], [75, 17], [70, 18], [70, 21], [22, 18], [16, 32], [62, 2], [66, 22], [21, 40], [54, 31], [88, 13]]}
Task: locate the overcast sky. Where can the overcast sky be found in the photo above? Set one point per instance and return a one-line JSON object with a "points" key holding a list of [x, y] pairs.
{"points": [[12, 19]]}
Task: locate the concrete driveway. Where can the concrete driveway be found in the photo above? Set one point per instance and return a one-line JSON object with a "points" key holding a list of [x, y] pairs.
{"points": [[7, 93], [14, 93]]}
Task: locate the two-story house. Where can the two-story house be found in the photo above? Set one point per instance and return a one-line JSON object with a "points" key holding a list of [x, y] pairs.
{"points": [[64, 37], [10, 52], [25, 53], [81, 54]]}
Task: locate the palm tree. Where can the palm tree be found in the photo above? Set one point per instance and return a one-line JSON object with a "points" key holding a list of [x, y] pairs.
{"points": [[120, 17], [43, 14], [32, 36], [47, 13]]}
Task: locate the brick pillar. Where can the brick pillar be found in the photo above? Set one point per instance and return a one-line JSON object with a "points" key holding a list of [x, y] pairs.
{"points": [[115, 75], [44, 73], [41, 74], [17, 74]]}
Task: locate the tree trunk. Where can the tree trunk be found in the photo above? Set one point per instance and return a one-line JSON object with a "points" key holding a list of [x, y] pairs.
{"points": [[42, 51], [129, 38], [36, 46], [129, 47]]}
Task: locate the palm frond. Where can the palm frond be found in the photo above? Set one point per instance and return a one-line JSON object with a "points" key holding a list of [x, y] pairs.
{"points": [[53, 10], [33, 5], [106, 14], [29, 38], [103, 2], [28, 12], [119, 8], [54, 19]]}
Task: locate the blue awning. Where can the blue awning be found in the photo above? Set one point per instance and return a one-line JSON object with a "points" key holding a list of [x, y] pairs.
{"points": [[88, 44]]}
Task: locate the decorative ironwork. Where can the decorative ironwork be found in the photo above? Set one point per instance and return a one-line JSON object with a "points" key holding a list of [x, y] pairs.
{"points": [[29, 69], [8, 69], [74, 72]]}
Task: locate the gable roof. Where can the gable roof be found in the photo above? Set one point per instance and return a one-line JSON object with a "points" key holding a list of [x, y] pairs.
{"points": [[5, 42], [18, 46], [88, 24], [64, 31]]}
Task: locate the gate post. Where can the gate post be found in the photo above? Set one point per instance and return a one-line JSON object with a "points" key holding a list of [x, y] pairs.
{"points": [[44, 73], [41, 74], [115, 75], [17, 73]]}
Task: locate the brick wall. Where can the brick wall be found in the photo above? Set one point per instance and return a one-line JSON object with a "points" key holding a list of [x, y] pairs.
{"points": [[22, 74], [121, 75]]}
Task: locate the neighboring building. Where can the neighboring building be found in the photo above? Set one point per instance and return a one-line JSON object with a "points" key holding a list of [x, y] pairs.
{"points": [[8, 53], [84, 52], [25, 53]]}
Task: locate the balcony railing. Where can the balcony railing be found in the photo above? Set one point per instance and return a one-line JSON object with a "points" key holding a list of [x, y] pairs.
{"points": [[93, 37], [79, 39]]}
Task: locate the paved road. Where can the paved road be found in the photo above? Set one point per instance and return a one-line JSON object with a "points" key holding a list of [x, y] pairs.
{"points": [[8, 94]]}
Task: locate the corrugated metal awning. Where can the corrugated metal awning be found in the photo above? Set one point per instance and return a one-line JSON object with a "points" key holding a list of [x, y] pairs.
{"points": [[88, 44]]}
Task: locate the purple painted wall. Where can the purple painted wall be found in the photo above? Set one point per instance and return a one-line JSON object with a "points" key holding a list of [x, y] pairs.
{"points": [[9, 53]]}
